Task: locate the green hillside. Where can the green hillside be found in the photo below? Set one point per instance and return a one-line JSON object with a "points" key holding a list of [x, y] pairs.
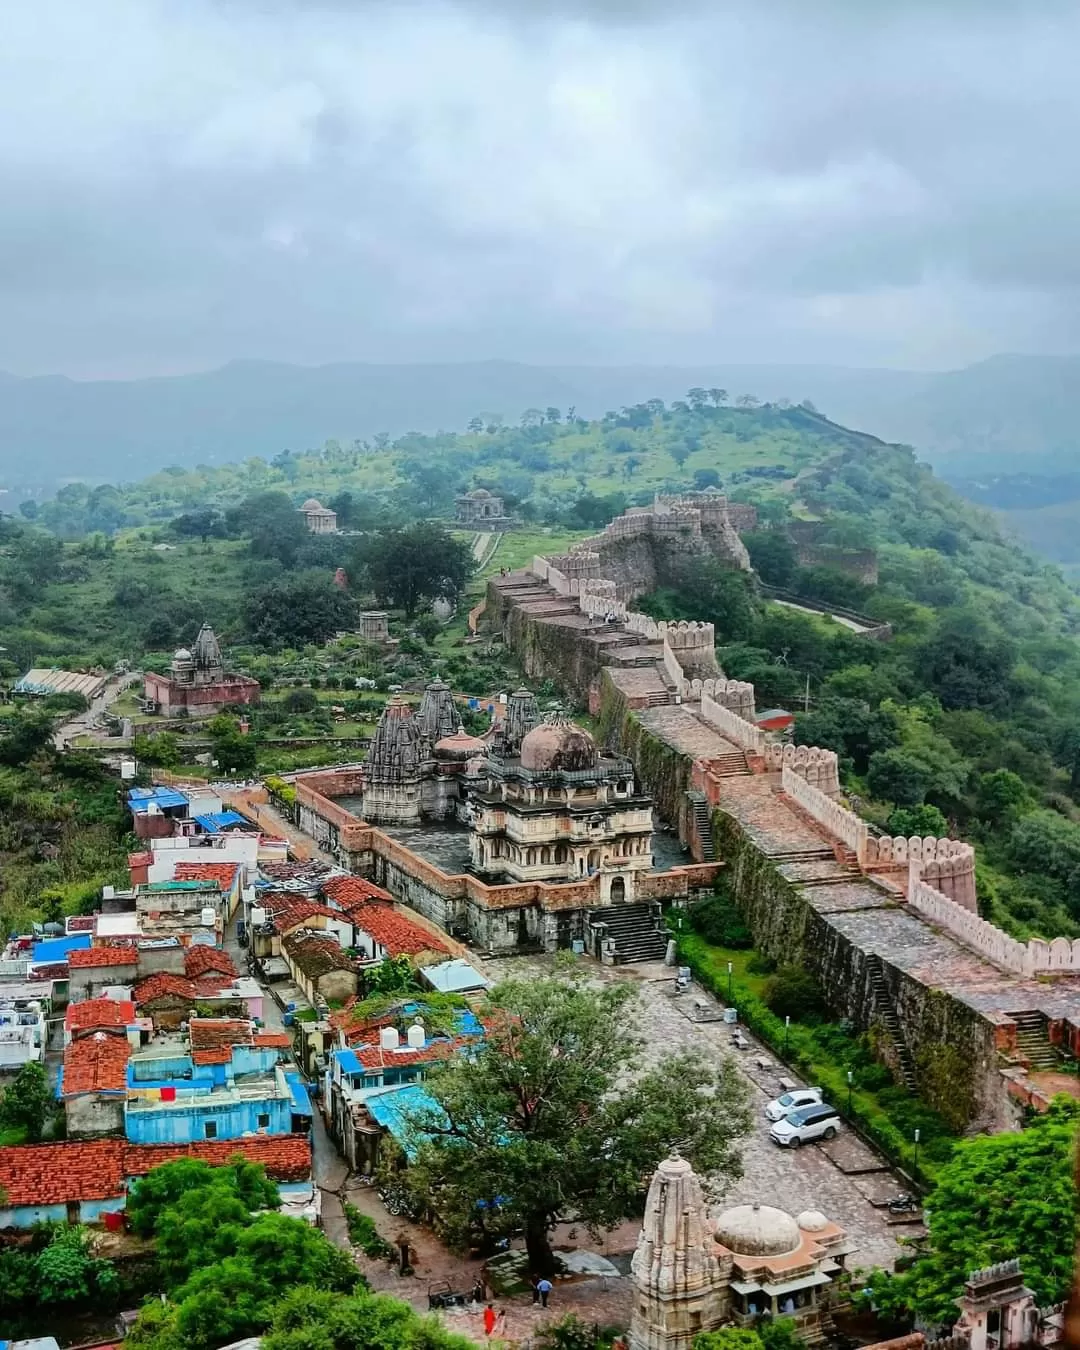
{"points": [[966, 720]]}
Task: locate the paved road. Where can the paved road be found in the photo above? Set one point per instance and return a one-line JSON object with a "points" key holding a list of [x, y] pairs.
{"points": [[792, 1180], [79, 725]]}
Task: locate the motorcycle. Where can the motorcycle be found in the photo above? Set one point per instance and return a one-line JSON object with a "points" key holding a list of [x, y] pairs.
{"points": [[903, 1204]]}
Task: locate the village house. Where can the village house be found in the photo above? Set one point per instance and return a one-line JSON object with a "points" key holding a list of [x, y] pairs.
{"points": [[319, 966], [80, 1182], [224, 1079], [93, 1081], [23, 1028], [94, 969]]}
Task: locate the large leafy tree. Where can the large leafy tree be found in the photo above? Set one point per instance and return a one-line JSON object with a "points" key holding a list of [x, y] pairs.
{"points": [[552, 1117], [293, 611], [410, 567], [1002, 1196], [26, 1101]]}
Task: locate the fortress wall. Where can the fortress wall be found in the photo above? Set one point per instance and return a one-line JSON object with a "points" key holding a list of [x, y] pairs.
{"points": [[841, 823], [820, 768], [731, 725]]}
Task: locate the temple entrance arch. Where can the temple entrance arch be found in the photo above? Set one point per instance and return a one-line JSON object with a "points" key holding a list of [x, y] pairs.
{"points": [[618, 891]]}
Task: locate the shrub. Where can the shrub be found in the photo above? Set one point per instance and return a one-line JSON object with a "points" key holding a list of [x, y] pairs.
{"points": [[719, 921], [793, 992], [300, 701], [363, 1234]]}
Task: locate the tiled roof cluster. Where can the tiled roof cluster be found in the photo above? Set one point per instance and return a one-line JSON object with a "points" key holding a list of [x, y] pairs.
{"points": [[223, 874], [351, 891], [315, 953], [200, 959], [91, 958], [54, 1174], [95, 1013], [354, 1027], [96, 1062], [390, 928], [301, 912], [272, 1040], [54, 970], [212, 1038], [375, 1057], [163, 984]]}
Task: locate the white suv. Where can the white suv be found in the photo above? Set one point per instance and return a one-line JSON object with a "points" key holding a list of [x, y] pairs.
{"points": [[810, 1122], [792, 1101]]}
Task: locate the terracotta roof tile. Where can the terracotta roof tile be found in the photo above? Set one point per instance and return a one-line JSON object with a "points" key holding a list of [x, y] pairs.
{"points": [[350, 891], [401, 936], [53, 1174], [200, 959], [271, 1040], [163, 984], [81, 923], [94, 1169], [94, 1013], [55, 970], [223, 874], [294, 915], [93, 957], [315, 954], [96, 1063], [374, 1057], [210, 1032], [213, 1054], [212, 985]]}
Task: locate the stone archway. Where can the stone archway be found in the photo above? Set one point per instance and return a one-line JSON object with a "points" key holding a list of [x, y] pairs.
{"points": [[618, 891]]}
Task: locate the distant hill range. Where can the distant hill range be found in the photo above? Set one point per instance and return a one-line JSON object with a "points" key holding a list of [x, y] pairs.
{"points": [[1002, 416]]}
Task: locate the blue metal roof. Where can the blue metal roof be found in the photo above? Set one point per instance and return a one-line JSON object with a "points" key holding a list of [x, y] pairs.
{"points": [[301, 1100], [214, 821], [393, 1108], [165, 798], [348, 1061], [56, 949]]}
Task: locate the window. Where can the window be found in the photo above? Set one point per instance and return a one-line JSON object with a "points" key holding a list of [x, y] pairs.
{"points": [[263, 1121], [210, 1129]]}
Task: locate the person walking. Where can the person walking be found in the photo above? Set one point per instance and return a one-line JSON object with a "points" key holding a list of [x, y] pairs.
{"points": [[535, 1282], [543, 1288], [489, 1321]]}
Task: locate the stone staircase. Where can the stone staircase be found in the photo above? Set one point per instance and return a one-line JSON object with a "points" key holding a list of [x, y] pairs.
{"points": [[729, 765], [633, 929], [883, 1005], [699, 811], [1032, 1041], [659, 700]]}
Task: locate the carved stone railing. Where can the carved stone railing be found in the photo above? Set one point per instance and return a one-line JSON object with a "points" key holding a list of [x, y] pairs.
{"points": [[744, 734]]}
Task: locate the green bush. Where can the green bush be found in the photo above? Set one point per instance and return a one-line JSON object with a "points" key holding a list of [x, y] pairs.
{"points": [[793, 992], [363, 1234], [719, 921]]}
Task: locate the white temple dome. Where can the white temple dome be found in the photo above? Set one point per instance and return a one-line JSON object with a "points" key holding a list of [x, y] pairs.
{"points": [[182, 654], [757, 1230], [558, 745], [312, 504], [812, 1221]]}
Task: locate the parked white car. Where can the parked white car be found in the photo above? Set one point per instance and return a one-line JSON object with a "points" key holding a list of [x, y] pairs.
{"points": [[805, 1125], [792, 1101]]}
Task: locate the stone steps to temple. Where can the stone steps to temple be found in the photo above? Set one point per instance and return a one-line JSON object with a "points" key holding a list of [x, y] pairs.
{"points": [[633, 931], [887, 1015], [1033, 1042]]}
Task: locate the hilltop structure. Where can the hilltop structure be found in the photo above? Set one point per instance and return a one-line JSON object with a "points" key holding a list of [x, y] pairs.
{"points": [[197, 681], [481, 510], [318, 518]]}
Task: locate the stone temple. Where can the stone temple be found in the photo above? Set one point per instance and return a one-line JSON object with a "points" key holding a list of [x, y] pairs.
{"points": [[481, 510], [692, 1273], [197, 681]]}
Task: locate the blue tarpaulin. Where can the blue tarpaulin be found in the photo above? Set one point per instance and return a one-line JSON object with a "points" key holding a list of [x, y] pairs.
{"points": [[301, 1100], [56, 949], [392, 1108], [215, 821], [140, 799]]}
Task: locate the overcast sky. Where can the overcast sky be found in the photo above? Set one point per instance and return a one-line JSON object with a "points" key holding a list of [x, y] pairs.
{"points": [[858, 181]]}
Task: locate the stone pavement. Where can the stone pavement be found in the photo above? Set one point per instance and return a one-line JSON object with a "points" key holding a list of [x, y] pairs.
{"points": [[791, 1179]]}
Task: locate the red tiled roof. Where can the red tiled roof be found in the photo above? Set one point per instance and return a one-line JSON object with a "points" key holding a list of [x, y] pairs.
{"points": [[94, 1169], [141, 859], [350, 891], [400, 936], [99, 1012], [53, 1174], [286, 1157], [315, 953], [374, 1057], [213, 985], [200, 959], [213, 1038], [96, 1063], [93, 957], [163, 984], [293, 916], [55, 970], [213, 1054], [81, 923], [272, 1040], [223, 874]]}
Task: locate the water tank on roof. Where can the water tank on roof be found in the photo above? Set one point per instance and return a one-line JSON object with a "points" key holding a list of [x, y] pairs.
{"points": [[388, 1038], [108, 892], [417, 1036], [208, 916], [258, 917]]}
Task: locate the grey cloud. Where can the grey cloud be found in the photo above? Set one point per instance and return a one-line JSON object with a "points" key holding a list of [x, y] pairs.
{"points": [[573, 181]]}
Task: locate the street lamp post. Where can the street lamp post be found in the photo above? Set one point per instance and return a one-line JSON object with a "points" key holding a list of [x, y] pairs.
{"points": [[729, 969], [850, 1080], [787, 1028], [916, 1163]]}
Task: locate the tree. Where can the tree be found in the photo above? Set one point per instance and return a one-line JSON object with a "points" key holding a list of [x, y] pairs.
{"points": [[697, 398], [717, 397], [747, 401], [728, 1338], [793, 992], [475, 425], [416, 565], [26, 1101], [552, 1115], [310, 1319], [918, 820], [165, 1185], [68, 1273], [772, 555], [300, 701], [24, 738], [234, 750], [553, 415], [1002, 797], [1001, 1196], [272, 523], [293, 611], [204, 523], [680, 453], [898, 776], [705, 478]]}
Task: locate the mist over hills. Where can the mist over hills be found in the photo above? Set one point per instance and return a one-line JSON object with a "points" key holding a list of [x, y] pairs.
{"points": [[1004, 415]]}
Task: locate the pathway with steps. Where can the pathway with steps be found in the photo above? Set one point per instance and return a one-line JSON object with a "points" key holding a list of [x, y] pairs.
{"points": [[1033, 1041], [634, 930]]}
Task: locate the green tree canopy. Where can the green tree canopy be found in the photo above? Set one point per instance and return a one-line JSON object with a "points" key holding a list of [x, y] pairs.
{"points": [[1002, 1196], [293, 611], [413, 566], [552, 1115], [25, 1102]]}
